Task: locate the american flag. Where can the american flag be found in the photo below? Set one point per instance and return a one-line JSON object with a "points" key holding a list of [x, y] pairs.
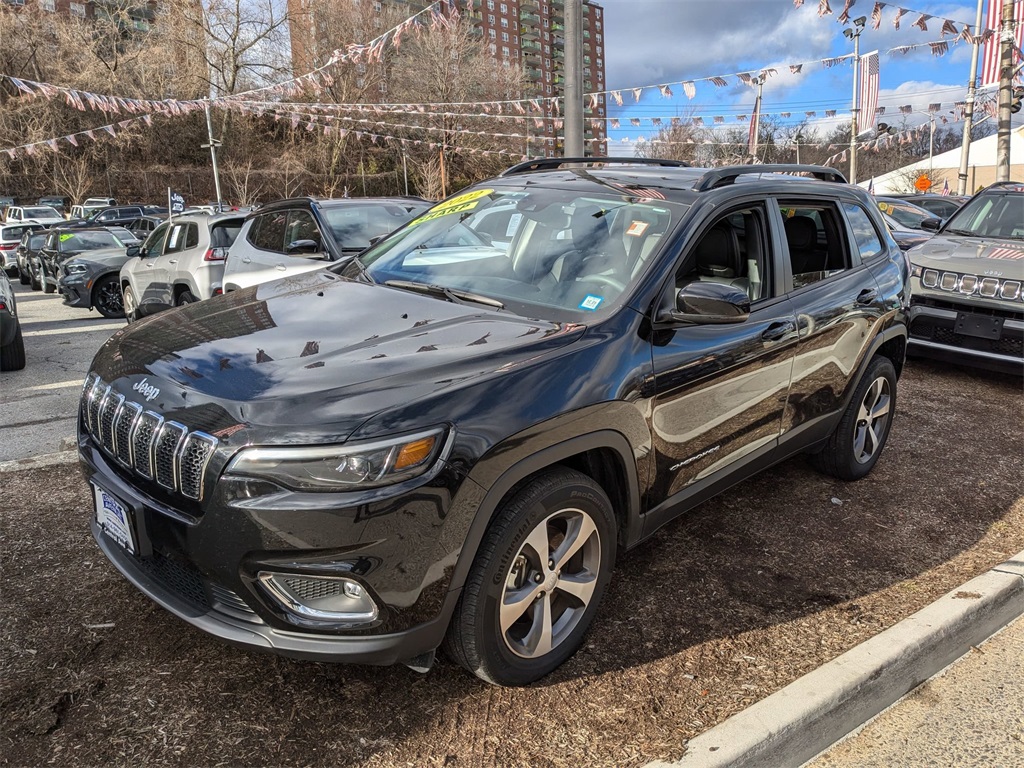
{"points": [[945, 187], [1005, 253], [868, 89], [990, 59]]}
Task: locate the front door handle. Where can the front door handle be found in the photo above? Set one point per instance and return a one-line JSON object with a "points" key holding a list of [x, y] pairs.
{"points": [[778, 331], [867, 296], [173, 261], [281, 267]]}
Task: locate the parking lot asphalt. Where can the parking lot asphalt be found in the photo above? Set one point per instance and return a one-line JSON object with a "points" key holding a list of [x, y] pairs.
{"points": [[38, 404]]}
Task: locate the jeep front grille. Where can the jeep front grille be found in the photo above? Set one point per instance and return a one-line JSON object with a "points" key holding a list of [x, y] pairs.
{"points": [[143, 441], [969, 285]]}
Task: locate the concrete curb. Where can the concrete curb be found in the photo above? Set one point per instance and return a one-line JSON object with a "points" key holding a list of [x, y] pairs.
{"points": [[38, 462], [806, 717]]}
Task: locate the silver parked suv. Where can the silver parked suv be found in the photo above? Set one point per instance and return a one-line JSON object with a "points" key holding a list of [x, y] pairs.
{"points": [[968, 284], [181, 261]]}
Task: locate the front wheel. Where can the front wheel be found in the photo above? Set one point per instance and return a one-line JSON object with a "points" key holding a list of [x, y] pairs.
{"points": [[537, 581], [34, 277], [854, 447], [23, 277], [130, 304], [106, 297], [44, 281]]}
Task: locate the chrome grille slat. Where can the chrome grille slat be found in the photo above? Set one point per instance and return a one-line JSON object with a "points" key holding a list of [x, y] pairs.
{"points": [[143, 441]]}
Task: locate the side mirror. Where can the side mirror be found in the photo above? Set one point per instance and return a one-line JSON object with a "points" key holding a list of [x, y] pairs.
{"points": [[931, 225], [707, 303], [133, 250], [302, 248]]}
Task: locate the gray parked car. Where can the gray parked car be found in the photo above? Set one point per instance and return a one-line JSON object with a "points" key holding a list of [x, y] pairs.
{"points": [[12, 346], [90, 281], [968, 284]]}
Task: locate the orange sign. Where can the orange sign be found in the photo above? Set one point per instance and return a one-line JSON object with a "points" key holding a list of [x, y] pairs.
{"points": [[923, 183]]}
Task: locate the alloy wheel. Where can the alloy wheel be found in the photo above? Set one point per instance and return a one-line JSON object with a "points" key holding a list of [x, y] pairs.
{"points": [[550, 583], [108, 299], [872, 419]]}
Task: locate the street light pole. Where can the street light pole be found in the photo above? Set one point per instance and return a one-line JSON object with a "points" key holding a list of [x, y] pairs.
{"points": [[1006, 45], [965, 147], [213, 154], [853, 33]]}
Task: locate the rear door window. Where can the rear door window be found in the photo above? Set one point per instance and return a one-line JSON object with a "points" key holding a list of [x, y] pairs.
{"points": [[268, 231], [814, 234], [868, 241]]}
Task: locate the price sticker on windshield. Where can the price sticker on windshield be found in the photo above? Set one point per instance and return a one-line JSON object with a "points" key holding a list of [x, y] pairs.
{"points": [[458, 204], [65, 237]]}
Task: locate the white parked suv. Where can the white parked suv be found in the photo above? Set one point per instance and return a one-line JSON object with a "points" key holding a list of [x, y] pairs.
{"points": [[33, 214], [287, 237], [181, 261]]}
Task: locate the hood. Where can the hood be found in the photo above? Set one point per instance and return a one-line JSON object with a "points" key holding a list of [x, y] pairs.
{"points": [[318, 354], [972, 256], [107, 257]]}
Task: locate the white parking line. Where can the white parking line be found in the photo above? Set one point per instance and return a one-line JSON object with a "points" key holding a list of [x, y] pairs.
{"points": [[79, 329], [54, 385]]}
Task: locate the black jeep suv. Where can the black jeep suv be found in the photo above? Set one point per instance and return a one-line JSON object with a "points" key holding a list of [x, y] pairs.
{"points": [[448, 439]]}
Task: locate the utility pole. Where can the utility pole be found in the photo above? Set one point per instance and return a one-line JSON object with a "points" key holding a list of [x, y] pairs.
{"points": [[853, 33], [213, 154], [756, 118], [572, 126], [972, 86], [1006, 40]]}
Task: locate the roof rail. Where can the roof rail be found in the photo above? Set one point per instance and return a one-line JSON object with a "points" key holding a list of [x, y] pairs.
{"points": [[549, 163], [720, 177]]}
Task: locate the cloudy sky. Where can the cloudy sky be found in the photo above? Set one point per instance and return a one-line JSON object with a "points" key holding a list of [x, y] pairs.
{"points": [[668, 41]]}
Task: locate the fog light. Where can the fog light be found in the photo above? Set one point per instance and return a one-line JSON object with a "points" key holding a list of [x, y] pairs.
{"points": [[320, 601]]}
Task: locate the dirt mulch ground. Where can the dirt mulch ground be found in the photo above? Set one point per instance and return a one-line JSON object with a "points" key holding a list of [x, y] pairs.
{"points": [[749, 592]]}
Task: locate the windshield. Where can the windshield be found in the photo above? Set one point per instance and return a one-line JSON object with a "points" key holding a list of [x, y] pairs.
{"points": [[354, 226], [550, 253], [905, 214], [42, 212], [990, 215], [87, 241]]}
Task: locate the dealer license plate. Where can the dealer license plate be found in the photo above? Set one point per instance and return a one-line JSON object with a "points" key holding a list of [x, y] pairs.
{"points": [[115, 519], [979, 326]]}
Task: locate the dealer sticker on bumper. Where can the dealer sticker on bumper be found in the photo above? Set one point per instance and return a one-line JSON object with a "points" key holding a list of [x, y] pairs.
{"points": [[114, 518]]}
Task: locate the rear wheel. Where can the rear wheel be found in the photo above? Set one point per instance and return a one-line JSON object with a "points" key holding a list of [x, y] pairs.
{"points": [[44, 281], [854, 447], [130, 304], [106, 297], [537, 581], [186, 297], [12, 356], [34, 276]]}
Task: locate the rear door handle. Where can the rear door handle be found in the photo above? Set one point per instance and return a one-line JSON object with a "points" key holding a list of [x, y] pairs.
{"points": [[282, 267], [778, 331], [172, 261], [867, 296]]}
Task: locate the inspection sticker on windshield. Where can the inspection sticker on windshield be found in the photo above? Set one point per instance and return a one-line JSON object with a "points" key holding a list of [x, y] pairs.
{"points": [[591, 302], [458, 204], [637, 228]]}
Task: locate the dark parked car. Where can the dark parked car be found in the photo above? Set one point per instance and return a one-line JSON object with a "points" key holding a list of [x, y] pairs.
{"points": [[143, 225], [942, 206], [91, 281], [27, 250], [63, 244], [968, 284], [119, 216], [61, 203], [900, 214], [12, 345], [10, 236], [449, 438]]}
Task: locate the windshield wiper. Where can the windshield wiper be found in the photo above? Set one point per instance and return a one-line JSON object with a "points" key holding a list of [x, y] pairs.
{"points": [[964, 232], [450, 294], [342, 263]]}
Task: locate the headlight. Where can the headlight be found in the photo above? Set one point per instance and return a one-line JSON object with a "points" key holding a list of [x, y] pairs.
{"points": [[75, 269], [340, 468]]}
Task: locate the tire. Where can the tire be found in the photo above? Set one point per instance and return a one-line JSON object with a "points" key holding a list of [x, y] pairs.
{"points": [[129, 304], [12, 357], [34, 278], [515, 560], [44, 281], [186, 297], [106, 297], [24, 277], [854, 447]]}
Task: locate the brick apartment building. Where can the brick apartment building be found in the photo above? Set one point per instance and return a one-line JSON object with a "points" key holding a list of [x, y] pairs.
{"points": [[527, 33]]}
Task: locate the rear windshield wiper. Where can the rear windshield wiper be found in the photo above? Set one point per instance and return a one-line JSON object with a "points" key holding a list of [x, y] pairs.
{"points": [[450, 294]]}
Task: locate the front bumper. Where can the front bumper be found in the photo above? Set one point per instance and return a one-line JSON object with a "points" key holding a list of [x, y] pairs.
{"points": [[201, 567], [934, 333], [75, 291]]}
